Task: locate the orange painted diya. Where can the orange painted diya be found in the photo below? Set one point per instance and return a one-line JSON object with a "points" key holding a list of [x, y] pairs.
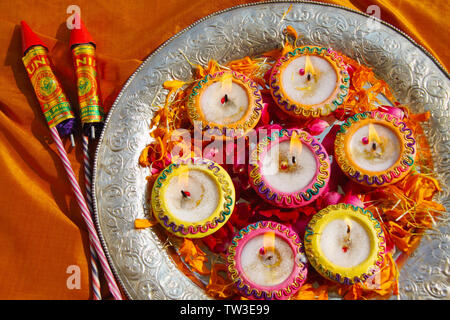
{"points": [[375, 148], [225, 104], [309, 82]]}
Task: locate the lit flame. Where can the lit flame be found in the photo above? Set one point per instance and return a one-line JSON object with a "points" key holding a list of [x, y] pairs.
{"points": [[373, 135], [183, 179], [309, 68], [226, 82], [268, 241], [295, 144], [348, 223]]}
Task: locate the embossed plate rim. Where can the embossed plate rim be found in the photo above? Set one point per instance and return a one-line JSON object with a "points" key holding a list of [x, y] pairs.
{"points": [[146, 61]]}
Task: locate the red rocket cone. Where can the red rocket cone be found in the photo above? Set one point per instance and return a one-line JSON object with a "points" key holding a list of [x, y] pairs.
{"points": [[81, 35], [29, 38]]}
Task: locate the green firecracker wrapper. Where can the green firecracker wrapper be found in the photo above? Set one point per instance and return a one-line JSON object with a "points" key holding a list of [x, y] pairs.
{"points": [[85, 64], [53, 101]]}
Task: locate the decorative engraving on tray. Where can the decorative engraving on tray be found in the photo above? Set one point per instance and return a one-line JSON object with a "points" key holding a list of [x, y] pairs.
{"points": [[143, 267]]}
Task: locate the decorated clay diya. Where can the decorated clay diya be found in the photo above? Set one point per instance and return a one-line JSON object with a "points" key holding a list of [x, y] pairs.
{"points": [[345, 243], [289, 168], [266, 261], [375, 148], [309, 82], [193, 199], [225, 104]]}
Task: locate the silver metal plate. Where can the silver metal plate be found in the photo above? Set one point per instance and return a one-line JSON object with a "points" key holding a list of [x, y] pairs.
{"points": [[139, 258]]}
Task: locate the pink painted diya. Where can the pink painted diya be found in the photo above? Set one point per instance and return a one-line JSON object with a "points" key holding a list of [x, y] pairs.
{"points": [[289, 168], [266, 261]]}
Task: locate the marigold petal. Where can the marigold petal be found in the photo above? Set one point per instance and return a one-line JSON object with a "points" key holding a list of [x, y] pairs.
{"points": [[144, 223]]}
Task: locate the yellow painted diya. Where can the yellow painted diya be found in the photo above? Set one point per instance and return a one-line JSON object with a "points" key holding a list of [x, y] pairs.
{"points": [[194, 198], [345, 243], [225, 104], [310, 81], [375, 148]]}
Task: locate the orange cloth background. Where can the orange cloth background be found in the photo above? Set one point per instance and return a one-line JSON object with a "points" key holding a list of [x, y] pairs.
{"points": [[41, 229]]}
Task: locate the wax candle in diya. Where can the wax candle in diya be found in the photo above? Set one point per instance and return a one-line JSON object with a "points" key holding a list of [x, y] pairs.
{"points": [[194, 198], [225, 103], [266, 261], [375, 148], [309, 82], [345, 243], [289, 168]]}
